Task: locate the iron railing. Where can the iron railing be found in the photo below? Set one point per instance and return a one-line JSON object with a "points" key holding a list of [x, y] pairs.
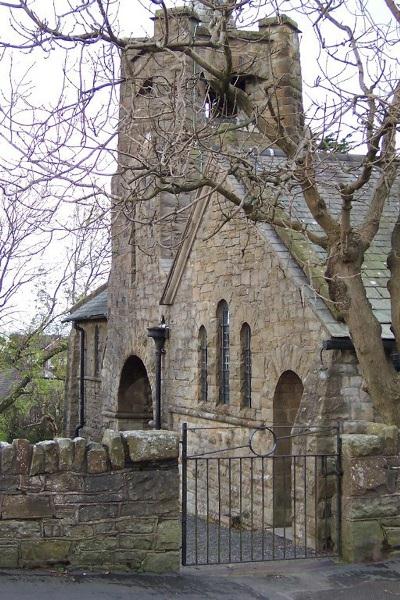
{"points": [[267, 493]]}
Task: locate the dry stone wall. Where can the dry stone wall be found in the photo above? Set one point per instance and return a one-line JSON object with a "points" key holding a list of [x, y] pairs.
{"points": [[76, 504]]}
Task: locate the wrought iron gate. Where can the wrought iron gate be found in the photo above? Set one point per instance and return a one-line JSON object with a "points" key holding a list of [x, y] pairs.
{"points": [[268, 493]]}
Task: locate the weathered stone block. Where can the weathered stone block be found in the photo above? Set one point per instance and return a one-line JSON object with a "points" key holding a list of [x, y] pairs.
{"points": [[102, 542], [9, 483], [79, 454], [152, 445], [131, 560], [96, 512], [23, 454], [45, 552], [105, 482], [26, 507], [389, 435], [79, 531], [66, 481], [161, 562], [50, 449], [362, 541], [32, 483], [138, 525], [97, 460], [169, 535], [361, 445], [53, 528], [141, 508], [153, 484], [371, 507], [365, 475], [65, 453], [116, 451], [94, 559], [7, 458], [392, 536], [136, 542], [19, 529], [104, 527], [37, 461], [8, 556]]}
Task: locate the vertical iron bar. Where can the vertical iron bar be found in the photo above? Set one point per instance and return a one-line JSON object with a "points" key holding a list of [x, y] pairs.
{"points": [[316, 504], [230, 508], [184, 492], [294, 507], [326, 502], [207, 513], [274, 459], [305, 504], [338, 490], [240, 509], [284, 499], [262, 510], [219, 509], [196, 533], [251, 509]]}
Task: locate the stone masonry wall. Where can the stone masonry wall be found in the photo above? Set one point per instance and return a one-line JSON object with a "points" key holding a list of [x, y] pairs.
{"points": [[371, 493], [92, 379], [75, 504]]}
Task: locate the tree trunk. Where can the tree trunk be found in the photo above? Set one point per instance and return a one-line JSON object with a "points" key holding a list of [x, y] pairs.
{"points": [[347, 290]]}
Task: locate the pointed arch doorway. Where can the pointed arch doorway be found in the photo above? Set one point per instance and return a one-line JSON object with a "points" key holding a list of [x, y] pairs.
{"points": [[287, 397], [135, 405]]}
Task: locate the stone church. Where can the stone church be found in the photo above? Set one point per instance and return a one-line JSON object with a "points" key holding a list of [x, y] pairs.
{"points": [[226, 324]]}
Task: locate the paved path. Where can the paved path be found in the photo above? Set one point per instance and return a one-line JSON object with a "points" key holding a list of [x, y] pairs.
{"points": [[291, 580]]}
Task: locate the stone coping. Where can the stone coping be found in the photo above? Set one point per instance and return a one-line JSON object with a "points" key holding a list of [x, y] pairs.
{"points": [[117, 451]]}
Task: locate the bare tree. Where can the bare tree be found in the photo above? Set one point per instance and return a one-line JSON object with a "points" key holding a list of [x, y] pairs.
{"points": [[201, 127]]}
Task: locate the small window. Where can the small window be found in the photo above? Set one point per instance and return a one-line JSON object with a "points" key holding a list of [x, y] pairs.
{"points": [[223, 352], [96, 346], [245, 366], [147, 88], [203, 369], [219, 105]]}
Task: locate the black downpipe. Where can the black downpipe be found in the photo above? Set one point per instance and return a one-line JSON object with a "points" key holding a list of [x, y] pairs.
{"points": [[81, 378]]}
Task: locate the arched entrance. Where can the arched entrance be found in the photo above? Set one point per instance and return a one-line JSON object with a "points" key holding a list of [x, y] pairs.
{"points": [[287, 397], [135, 406]]}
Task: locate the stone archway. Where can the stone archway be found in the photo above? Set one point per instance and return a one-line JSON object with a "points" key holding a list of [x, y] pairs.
{"points": [[135, 405], [287, 397]]}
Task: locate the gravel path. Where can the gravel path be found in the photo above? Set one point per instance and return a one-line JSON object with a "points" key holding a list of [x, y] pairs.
{"points": [[213, 544]]}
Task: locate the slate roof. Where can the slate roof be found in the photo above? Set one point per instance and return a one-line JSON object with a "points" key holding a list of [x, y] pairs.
{"points": [[332, 169], [91, 309]]}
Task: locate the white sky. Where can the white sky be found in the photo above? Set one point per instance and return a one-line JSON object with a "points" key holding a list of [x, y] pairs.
{"points": [[44, 72]]}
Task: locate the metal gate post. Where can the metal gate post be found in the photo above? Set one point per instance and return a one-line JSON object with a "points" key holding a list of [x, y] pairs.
{"points": [[184, 491]]}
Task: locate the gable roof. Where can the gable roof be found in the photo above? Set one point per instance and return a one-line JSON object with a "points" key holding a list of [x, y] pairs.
{"points": [[92, 308], [332, 169]]}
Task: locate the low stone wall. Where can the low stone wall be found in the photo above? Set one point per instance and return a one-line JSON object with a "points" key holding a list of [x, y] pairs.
{"points": [[111, 506], [371, 493]]}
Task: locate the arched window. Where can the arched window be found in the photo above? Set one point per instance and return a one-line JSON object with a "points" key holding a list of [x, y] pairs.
{"points": [[223, 352], [245, 365], [203, 388], [96, 351]]}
